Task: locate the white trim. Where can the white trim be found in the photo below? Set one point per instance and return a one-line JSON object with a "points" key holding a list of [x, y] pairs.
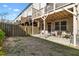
{"points": [[54, 6], [74, 26], [44, 25], [32, 26], [51, 27], [44, 18], [69, 11], [63, 5]]}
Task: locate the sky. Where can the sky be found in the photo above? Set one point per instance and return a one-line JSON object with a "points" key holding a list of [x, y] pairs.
{"points": [[12, 10]]}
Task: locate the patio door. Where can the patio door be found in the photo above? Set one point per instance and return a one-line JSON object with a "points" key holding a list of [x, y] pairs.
{"points": [[49, 27]]}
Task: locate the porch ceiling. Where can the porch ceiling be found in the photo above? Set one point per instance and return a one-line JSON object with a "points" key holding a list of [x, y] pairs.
{"points": [[59, 15]]}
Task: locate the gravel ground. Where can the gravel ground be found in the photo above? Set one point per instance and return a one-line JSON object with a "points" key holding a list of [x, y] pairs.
{"points": [[31, 46]]}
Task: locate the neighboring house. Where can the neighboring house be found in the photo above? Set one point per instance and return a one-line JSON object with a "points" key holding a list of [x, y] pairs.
{"points": [[54, 18]]}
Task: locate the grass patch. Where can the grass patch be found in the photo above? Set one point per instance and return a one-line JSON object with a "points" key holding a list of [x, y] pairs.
{"points": [[2, 36], [2, 52]]}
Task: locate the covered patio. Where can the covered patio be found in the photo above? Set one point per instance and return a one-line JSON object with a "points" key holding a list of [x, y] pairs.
{"points": [[60, 25]]}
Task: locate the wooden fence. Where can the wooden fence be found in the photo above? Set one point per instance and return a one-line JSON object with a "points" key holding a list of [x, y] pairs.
{"points": [[12, 30]]}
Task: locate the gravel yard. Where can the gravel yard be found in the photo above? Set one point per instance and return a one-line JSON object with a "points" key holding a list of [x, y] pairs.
{"points": [[32, 46]]}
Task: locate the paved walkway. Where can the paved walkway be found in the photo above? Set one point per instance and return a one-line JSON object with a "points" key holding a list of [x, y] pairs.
{"points": [[32, 46], [55, 39]]}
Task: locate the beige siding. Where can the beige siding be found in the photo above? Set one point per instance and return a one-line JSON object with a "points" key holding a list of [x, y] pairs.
{"points": [[35, 13], [69, 24], [38, 9], [35, 30]]}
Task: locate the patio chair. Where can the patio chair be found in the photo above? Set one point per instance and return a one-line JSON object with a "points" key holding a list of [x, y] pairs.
{"points": [[44, 33], [63, 34], [66, 34], [54, 33]]}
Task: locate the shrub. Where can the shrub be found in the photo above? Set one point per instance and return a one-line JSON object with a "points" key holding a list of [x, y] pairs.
{"points": [[2, 53], [67, 36], [2, 35]]}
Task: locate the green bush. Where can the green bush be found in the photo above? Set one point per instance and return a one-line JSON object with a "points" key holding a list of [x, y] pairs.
{"points": [[2, 35], [2, 53], [67, 36]]}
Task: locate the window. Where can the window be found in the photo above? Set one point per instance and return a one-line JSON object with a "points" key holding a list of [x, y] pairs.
{"points": [[63, 25], [30, 23], [56, 25], [60, 25], [22, 24], [35, 23], [27, 23]]}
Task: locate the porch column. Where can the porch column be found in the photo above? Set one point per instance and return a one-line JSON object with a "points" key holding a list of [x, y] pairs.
{"points": [[38, 24], [44, 22], [78, 19], [54, 5], [44, 25], [60, 26], [32, 26], [25, 27], [74, 25], [51, 27]]}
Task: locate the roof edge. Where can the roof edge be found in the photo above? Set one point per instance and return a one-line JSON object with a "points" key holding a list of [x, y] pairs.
{"points": [[23, 10]]}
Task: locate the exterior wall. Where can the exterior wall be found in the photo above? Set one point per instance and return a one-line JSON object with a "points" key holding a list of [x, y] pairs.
{"points": [[36, 6], [35, 9], [49, 7], [23, 27], [29, 30], [69, 24], [38, 9], [35, 30], [40, 6], [27, 12]]}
